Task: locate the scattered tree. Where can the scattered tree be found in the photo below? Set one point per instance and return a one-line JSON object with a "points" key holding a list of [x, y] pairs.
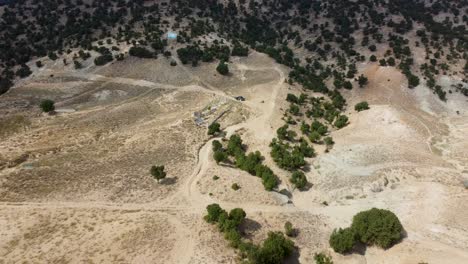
{"points": [[361, 106], [362, 80], [214, 128], [299, 179], [47, 105], [343, 240], [158, 172], [222, 68]]}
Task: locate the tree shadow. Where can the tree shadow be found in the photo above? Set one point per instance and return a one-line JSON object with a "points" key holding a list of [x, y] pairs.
{"points": [[306, 168], [359, 248], [169, 181], [307, 187], [228, 164], [285, 192], [248, 227], [294, 258]]}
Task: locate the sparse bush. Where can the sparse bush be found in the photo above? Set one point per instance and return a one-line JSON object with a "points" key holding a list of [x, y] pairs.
{"points": [[235, 186], [328, 141], [321, 258], [289, 229], [361, 106]]}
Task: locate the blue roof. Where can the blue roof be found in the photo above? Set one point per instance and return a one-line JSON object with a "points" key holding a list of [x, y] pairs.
{"points": [[172, 35]]}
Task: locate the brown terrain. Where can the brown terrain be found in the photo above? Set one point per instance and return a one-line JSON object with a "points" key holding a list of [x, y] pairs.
{"points": [[75, 186]]}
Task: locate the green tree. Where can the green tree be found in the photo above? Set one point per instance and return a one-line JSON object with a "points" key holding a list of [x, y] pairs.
{"points": [[361, 106], [214, 128], [321, 258], [273, 250], [220, 156], [222, 68], [217, 145], [314, 137], [328, 141], [214, 213], [158, 172], [343, 240], [341, 121], [47, 105], [237, 215], [289, 229], [299, 179], [377, 227], [140, 52], [24, 71], [362, 80]]}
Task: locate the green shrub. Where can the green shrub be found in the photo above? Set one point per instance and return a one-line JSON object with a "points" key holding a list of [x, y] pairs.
{"points": [[361, 106], [47, 105], [292, 98], [289, 229], [220, 156], [362, 80], [235, 145], [158, 172], [273, 250], [214, 128], [214, 213], [103, 59], [235, 186], [286, 157], [377, 227], [299, 179], [222, 68], [140, 52], [216, 145], [343, 240], [321, 258], [341, 121], [24, 71]]}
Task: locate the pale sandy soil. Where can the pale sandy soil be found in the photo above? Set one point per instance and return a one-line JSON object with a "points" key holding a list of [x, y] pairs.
{"points": [[75, 187]]}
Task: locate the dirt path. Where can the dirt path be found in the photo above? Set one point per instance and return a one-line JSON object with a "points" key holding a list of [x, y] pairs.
{"points": [[255, 124]]}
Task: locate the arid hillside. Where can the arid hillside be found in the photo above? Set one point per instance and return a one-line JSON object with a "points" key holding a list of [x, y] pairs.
{"points": [[75, 186], [257, 132]]}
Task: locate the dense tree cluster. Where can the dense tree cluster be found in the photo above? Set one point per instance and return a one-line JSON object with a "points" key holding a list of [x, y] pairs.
{"points": [[273, 250], [251, 162], [372, 227], [275, 28]]}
